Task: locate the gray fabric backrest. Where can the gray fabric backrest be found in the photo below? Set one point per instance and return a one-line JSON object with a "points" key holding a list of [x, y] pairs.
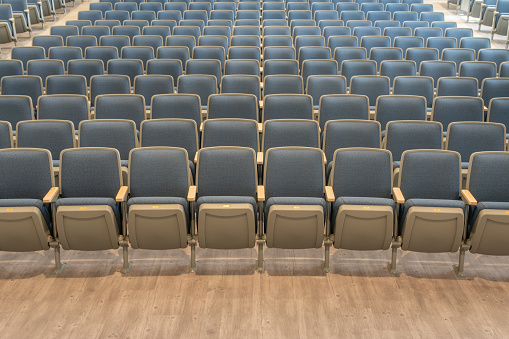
{"points": [[429, 174], [150, 85], [498, 109], [86, 67], [343, 106], [123, 106], [63, 107], [5, 134], [203, 85], [350, 133], [319, 85], [487, 177], [226, 171], [170, 132], [108, 84], [287, 106], [494, 88], [249, 84], [242, 106], [118, 134], [181, 106], [25, 53], [230, 132], [204, 66], [400, 107], [420, 85], [362, 173], [283, 84], [478, 69], [372, 86], [294, 172], [281, 133], [89, 172], [30, 85], [452, 109], [66, 84], [10, 67], [467, 138], [168, 165], [52, 135], [15, 108], [457, 86], [404, 135], [25, 173], [44, 68]]}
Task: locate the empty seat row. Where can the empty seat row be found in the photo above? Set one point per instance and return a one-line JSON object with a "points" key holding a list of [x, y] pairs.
{"points": [[360, 210]]}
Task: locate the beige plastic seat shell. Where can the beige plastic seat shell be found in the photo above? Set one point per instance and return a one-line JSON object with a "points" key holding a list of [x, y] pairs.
{"points": [[363, 227], [26, 221], [228, 225], [432, 229], [88, 227], [158, 226], [295, 226]]}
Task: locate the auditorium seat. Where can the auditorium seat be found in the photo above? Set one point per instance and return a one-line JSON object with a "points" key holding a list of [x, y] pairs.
{"points": [[88, 212]]}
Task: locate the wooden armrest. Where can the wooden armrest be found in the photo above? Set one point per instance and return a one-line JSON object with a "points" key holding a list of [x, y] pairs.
{"points": [[122, 194], [468, 197], [398, 195], [329, 194], [201, 127], [196, 158], [51, 196], [260, 104], [260, 127], [324, 159], [191, 195], [259, 158], [260, 193]]}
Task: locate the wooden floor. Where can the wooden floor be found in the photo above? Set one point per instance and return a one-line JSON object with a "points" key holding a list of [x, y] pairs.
{"points": [[228, 299]]}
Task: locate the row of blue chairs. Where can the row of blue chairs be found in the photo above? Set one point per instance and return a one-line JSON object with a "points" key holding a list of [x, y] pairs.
{"points": [[465, 137], [227, 209], [204, 77], [293, 112]]}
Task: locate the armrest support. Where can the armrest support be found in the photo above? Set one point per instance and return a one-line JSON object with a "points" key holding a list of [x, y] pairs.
{"points": [[398, 195], [329, 194], [51, 196], [122, 194], [259, 158], [260, 193], [191, 195], [468, 198]]}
